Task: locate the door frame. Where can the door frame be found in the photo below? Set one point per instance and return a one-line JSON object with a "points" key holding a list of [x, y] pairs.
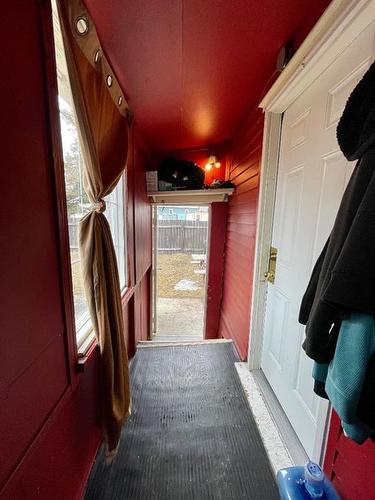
{"points": [[154, 287], [340, 24]]}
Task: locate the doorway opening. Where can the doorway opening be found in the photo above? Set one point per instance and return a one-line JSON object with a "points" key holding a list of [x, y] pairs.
{"points": [[180, 244]]}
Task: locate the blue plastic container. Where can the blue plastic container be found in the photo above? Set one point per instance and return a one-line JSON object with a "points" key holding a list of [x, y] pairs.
{"points": [[305, 483]]}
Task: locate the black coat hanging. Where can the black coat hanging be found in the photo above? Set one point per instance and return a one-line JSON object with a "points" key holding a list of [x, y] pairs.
{"points": [[343, 279]]}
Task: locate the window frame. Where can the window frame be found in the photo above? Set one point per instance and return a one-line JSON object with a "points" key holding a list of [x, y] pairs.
{"points": [[123, 182], [85, 333], [81, 338]]}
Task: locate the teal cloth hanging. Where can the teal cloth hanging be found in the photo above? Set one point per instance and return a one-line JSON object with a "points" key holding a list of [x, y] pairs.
{"points": [[344, 376]]}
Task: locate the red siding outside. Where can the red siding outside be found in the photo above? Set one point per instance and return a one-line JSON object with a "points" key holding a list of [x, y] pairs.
{"points": [[244, 168]]}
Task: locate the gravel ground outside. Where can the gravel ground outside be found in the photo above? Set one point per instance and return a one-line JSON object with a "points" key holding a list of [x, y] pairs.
{"points": [[181, 319]]}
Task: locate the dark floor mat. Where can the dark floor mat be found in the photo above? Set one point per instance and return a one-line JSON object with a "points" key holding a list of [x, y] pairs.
{"points": [[191, 434]]}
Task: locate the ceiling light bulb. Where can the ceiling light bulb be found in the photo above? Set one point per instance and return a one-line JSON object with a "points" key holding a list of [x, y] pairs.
{"points": [[212, 162]]}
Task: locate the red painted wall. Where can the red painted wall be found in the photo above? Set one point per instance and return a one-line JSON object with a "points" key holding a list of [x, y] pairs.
{"points": [[142, 208], [57, 462], [49, 424], [142, 309], [349, 465], [49, 414], [218, 226], [244, 168]]}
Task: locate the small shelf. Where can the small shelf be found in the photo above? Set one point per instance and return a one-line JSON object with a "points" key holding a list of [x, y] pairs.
{"points": [[190, 197]]}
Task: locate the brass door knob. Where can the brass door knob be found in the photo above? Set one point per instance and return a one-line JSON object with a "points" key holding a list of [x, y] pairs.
{"points": [[269, 276]]}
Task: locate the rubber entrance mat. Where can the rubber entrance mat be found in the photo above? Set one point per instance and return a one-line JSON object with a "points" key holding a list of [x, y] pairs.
{"points": [[191, 434]]}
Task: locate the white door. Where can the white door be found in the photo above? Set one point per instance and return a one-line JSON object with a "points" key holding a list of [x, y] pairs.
{"points": [[312, 177]]}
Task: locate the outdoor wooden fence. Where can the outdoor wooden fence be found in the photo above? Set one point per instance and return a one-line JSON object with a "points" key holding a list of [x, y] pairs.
{"points": [[183, 236]]}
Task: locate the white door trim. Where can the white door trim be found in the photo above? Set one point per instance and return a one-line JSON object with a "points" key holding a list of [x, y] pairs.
{"points": [[340, 24], [208, 252], [154, 263], [267, 195]]}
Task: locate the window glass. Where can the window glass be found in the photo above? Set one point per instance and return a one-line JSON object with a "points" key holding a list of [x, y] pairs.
{"points": [[115, 214], [76, 199]]}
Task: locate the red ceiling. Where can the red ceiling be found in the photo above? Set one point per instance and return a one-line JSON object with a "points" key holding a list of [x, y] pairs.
{"points": [[192, 68]]}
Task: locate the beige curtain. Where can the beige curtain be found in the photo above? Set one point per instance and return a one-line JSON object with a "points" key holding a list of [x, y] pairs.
{"points": [[104, 122]]}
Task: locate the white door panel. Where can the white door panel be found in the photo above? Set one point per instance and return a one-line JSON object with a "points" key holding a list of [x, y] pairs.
{"points": [[312, 177]]}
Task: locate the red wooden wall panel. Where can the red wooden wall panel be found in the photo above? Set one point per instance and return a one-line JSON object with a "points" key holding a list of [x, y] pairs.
{"points": [[142, 240], [142, 309], [130, 174], [128, 314], [139, 243], [57, 463], [50, 421], [350, 466], [244, 168], [142, 208], [215, 268], [32, 318]]}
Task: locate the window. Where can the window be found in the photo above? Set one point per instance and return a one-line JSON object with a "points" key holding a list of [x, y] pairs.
{"points": [[76, 199], [115, 215]]}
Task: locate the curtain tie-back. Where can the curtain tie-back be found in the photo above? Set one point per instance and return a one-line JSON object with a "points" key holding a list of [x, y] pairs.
{"points": [[104, 124], [100, 206]]}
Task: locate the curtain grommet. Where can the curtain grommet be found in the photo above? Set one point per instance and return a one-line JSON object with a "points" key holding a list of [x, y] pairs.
{"points": [[81, 25]]}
